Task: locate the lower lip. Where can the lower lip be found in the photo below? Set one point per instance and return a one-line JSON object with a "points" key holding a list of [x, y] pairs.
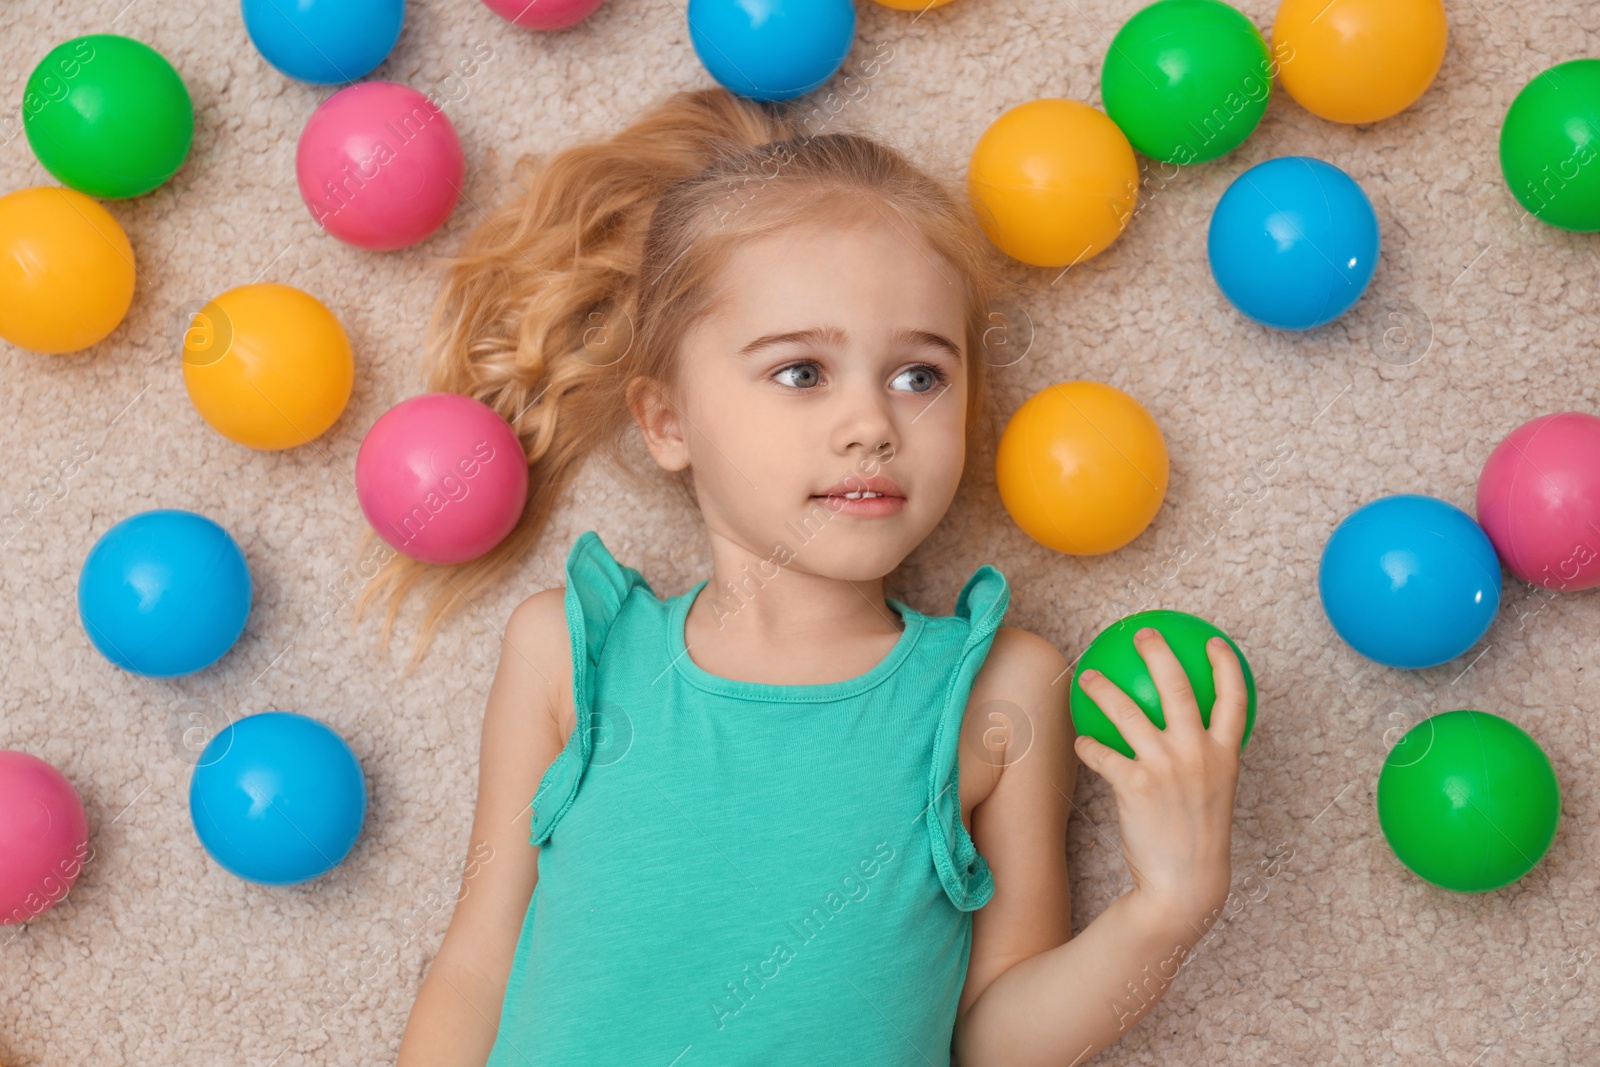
{"points": [[867, 506]]}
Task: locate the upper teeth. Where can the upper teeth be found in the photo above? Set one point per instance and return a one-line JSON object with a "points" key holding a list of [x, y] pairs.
{"points": [[860, 493]]}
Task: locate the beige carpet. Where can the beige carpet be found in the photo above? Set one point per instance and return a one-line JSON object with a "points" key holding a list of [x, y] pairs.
{"points": [[1339, 956]]}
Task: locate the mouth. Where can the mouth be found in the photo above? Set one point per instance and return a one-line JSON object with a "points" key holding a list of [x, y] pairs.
{"points": [[869, 497]]}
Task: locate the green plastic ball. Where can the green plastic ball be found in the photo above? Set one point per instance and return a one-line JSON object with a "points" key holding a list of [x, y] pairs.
{"points": [[1114, 655], [1549, 142], [1187, 80], [1468, 801], [108, 116]]}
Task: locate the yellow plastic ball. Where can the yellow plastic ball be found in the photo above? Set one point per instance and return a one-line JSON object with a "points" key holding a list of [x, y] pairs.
{"points": [[1053, 182], [267, 365], [1358, 60], [66, 270], [1082, 468]]}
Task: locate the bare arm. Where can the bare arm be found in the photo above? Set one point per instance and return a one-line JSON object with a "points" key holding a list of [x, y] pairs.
{"points": [[1020, 827], [457, 1013], [1059, 1006], [1062, 1006]]}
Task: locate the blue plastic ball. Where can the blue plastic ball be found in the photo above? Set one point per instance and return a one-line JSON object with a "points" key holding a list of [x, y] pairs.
{"points": [[1293, 242], [278, 798], [164, 593], [772, 49], [325, 42], [1409, 581]]}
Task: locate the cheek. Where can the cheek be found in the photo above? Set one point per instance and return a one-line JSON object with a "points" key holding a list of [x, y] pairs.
{"points": [[938, 440], [952, 454], [942, 427], [738, 433]]}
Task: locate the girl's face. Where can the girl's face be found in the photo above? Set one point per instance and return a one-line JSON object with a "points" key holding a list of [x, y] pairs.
{"points": [[835, 363]]}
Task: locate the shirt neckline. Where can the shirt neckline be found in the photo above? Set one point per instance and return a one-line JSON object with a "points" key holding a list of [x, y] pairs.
{"points": [[698, 676]]}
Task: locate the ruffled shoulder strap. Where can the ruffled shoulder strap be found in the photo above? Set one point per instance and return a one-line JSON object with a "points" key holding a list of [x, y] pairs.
{"points": [[964, 872], [597, 585]]}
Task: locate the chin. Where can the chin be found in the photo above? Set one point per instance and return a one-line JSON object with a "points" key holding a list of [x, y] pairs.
{"points": [[855, 555], [843, 546]]}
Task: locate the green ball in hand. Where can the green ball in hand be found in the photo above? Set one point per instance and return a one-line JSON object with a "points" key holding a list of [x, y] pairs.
{"points": [[1468, 801], [1114, 655], [108, 116]]}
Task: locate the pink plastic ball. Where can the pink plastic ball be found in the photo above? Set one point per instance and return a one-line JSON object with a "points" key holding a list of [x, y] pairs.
{"points": [[442, 478], [1539, 501], [543, 14], [44, 837], [379, 165]]}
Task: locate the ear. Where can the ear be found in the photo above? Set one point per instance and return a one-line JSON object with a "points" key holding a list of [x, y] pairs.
{"points": [[657, 417]]}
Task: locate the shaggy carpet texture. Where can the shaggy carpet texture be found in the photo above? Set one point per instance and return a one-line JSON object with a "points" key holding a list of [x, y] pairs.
{"points": [[1330, 950]]}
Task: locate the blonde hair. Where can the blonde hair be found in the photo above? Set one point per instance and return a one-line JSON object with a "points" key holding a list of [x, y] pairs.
{"points": [[591, 275]]}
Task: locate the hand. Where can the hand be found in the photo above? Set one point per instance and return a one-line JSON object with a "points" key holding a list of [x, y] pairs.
{"points": [[1175, 797]]}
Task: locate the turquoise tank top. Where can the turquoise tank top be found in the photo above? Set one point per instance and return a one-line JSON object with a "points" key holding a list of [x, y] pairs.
{"points": [[738, 873]]}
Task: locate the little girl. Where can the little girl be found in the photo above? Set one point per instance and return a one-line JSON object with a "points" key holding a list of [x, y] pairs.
{"points": [[731, 827]]}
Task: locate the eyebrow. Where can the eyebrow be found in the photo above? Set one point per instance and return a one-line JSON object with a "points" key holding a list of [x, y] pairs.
{"points": [[833, 335]]}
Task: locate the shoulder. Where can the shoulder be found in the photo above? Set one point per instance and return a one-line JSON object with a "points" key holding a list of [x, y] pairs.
{"points": [[541, 619], [1019, 660], [537, 644], [1019, 705]]}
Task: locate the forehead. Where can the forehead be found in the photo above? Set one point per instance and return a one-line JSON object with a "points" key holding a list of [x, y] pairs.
{"points": [[872, 271]]}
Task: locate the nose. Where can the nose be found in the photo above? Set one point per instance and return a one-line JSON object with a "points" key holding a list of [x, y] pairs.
{"points": [[864, 419]]}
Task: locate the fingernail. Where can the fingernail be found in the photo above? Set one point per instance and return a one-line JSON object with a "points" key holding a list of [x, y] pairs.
{"points": [[1088, 676], [1146, 633]]}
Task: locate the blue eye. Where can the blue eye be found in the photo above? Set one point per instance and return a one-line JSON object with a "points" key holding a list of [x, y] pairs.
{"points": [[921, 378], [804, 375]]}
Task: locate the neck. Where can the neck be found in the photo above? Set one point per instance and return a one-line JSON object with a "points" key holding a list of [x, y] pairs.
{"points": [[766, 593]]}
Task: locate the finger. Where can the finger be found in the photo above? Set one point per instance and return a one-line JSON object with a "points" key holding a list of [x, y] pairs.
{"points": [[1128, 717], [1178, 704], [1103, 760], [1228, 714]]}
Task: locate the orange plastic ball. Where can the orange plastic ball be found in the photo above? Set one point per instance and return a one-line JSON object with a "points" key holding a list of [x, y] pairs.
{"points": [[1082, 468], [66, 270], [1053, 182], [268, 366], [1358, 60]]}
